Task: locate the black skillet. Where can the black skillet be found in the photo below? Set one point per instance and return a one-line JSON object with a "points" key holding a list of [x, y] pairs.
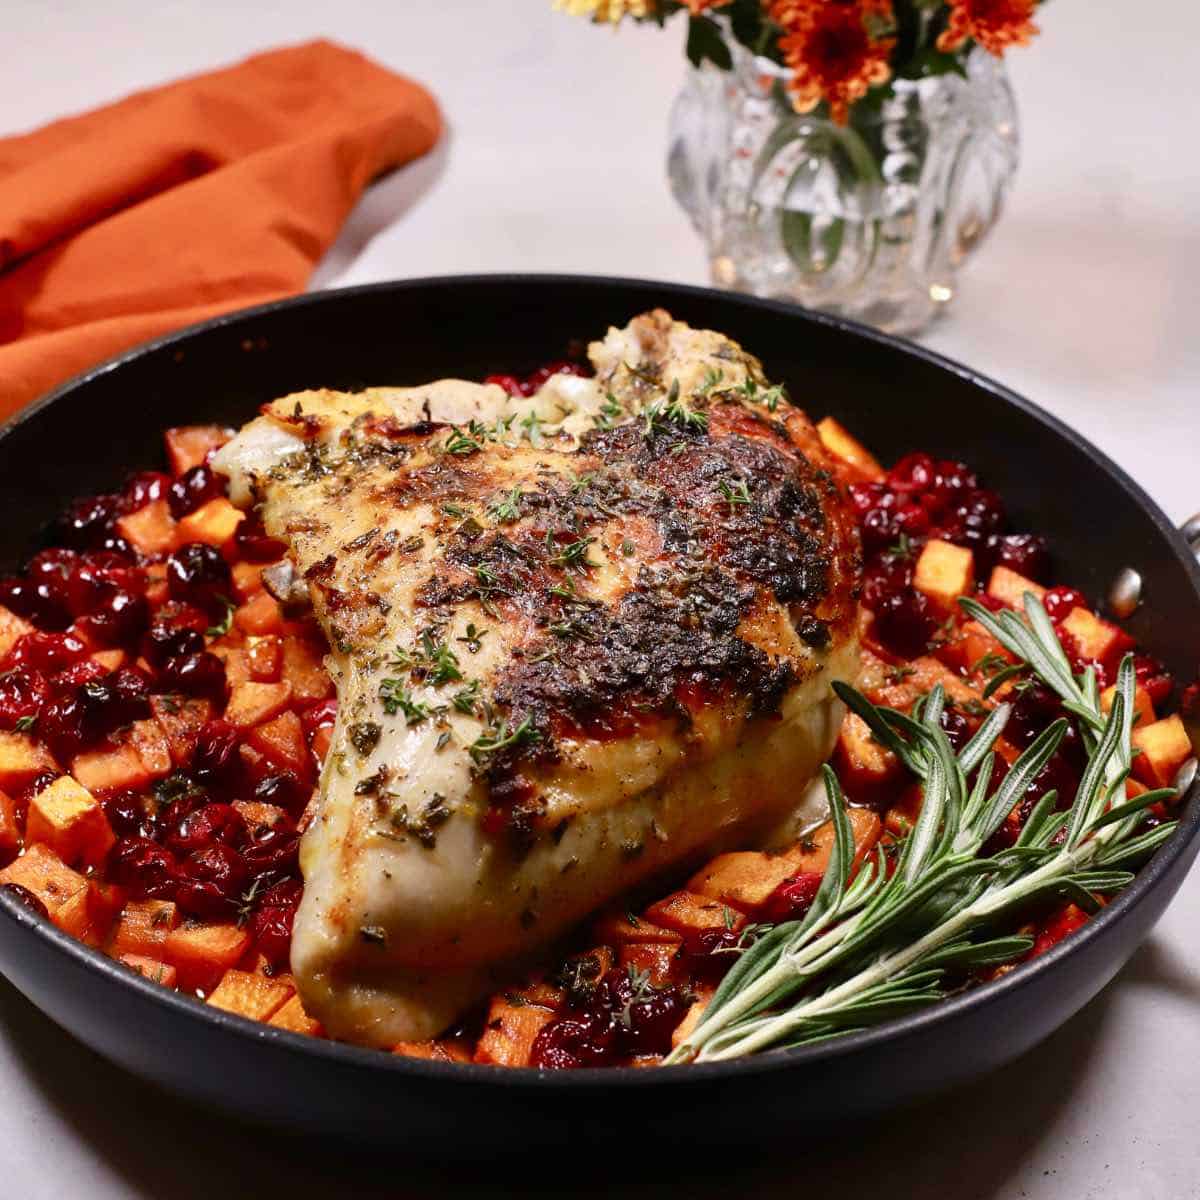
{"points": [[86, 436]]}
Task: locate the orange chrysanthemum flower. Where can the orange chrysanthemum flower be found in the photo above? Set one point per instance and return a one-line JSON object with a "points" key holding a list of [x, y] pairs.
{"points": [[994, 24], [834, 50]]}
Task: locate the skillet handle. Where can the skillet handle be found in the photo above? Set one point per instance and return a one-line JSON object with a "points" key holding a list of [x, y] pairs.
{"points": [[1191, 532]]}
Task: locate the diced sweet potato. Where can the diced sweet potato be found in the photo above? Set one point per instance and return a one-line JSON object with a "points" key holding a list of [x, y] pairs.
{"points": [[253, 703], [849, 450], [704, 993], [1009, 587], [110, 660], [189, 446], [1164, 747], [157, 592], [181, 721], [150, 742], [259, 616], [264, 658], [865, 828], [89, 914], [202, 953], [659, 959], [142, 928], [281, 741], [509, 1033], [442, 1050], [617, 928], [233, 655], [22, 760], [69, 820], [247, 580], [250, 995], [1094, 638], [867, 770], [1143, 707], [12, 629], [902, 815], [304, 669], [151, 529], [119, 769], [899, 688], [10, 830], [944, 572], [293, 1017], [214, 523], [152, 969], [690, 912], [258, 815], [978, 644], [744, 879], [43, 873], [321, 741]]}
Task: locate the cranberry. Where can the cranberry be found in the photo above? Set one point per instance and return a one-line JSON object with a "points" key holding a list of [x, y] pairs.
{"points": [[792, 899], [23, 693], [254, 543], [709, 953], [200, 674], [973, 518], [865, 496], [97, 576], [41, 602], [1059, 601], [904, 624], [164, 641], [57, 568], [913, 473], [646, 1016], [117, 619], [177, 615], [951, 480], [193, 489], [198, 574], [145, 867], [26, 898], [211, 880], [271, 924], [273, 850], [84, 714], [48, 653], [285, 791], [204, 825], [145, 488], [588, 1040], [510, 383], [128, 816], [116, 545], [319, 715], [87, 671], [1026, 553], [1035, 707], [216, 752], [89, 520], [1154, 677], [888, 575], [957, 728]]}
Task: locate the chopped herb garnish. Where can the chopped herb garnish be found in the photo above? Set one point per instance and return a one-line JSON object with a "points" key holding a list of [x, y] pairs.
{"points": [[472, 637], [396, 698], [500, 737], [466, 699], [223, 626], [25, 724], [507, 509], [573, 555], [738, 493]]}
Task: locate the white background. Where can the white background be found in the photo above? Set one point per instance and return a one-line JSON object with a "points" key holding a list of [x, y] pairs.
{"points": [[1086, 299]]}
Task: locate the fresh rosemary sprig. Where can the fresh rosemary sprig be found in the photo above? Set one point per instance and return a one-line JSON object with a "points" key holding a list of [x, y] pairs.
{"points": [[875, 946]]}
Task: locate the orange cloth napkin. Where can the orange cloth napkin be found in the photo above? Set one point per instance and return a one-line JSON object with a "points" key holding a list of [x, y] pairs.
{"points": [[186, 201]]}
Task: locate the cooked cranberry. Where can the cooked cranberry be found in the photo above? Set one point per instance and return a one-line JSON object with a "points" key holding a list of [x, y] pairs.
{"points": [[571, 1042], [957, 728], [318, 715], [285, 791], [89, 520], [273, 850], [904, 624], [145, 867], [1154, 677], [115, 544], [1035, 707], [24, 897], [23, 693], [87, 671], [97, 576], [990, 602], [203, 825], [84, 714], [193, 489], [888, 575], [48, 653], [913, 473], [645, 1015], [56, 568], [951, 480], [865, 496], [200, 674], [216, 751], [128, 815], [1026, 553], [164, 641], [1059, 601], [178, 615], [792, 899], [211, 880], [38, 601], [117, 618], [510, 383], [253, 542], [709, 953], [271, 924], [973, 518], [145, 488], [198, 574]]}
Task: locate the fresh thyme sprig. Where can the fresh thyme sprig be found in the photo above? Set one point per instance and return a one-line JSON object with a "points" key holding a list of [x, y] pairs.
{"points": [[874, 946]]}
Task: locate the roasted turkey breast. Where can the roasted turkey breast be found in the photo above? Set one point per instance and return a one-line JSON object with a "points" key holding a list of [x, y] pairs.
{"points": [[577, 638]]}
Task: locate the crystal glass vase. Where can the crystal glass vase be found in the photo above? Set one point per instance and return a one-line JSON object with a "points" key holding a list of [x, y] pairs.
{"points": [[871, 219]]}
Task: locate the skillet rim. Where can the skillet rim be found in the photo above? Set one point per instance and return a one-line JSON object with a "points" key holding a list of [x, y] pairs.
{"points": [[606, 1078]]}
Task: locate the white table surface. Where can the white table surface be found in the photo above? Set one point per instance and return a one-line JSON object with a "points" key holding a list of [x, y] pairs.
{"points": [[1086, 299]]}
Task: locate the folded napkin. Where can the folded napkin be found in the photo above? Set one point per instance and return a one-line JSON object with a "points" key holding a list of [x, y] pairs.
{"points": [[186, 201]]}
